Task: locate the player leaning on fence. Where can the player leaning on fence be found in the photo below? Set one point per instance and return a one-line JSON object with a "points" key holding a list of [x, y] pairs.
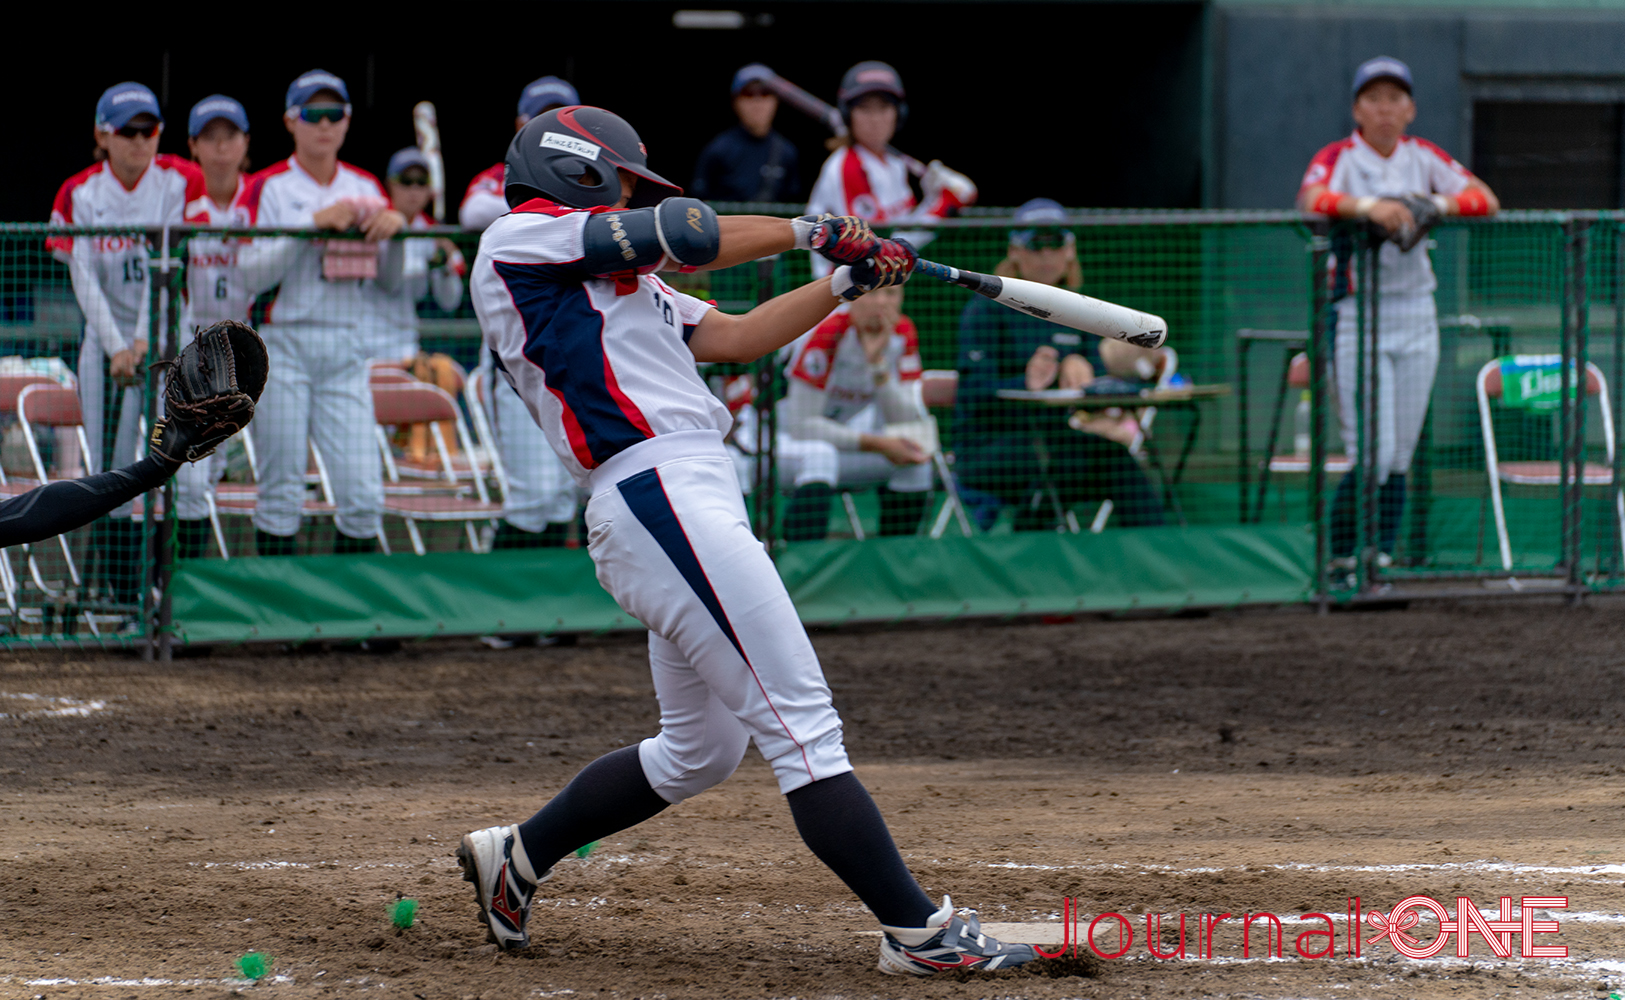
{"points": [[129, 185], [1401, 185]]}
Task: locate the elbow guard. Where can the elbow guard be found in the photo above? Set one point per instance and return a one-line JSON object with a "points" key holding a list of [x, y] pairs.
{"points": [[621, 240], [688, 231]]}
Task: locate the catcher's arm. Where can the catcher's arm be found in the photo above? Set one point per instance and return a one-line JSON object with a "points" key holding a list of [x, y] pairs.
{"points": [[55, 508]]}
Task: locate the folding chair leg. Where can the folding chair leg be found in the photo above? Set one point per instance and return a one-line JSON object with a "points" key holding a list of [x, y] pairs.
{"points": [[417, 539], [852, 515], [473, 536], [9, 579], [73, 568], [949, 505], [1099, 523], [957, 505], [214, 523]]}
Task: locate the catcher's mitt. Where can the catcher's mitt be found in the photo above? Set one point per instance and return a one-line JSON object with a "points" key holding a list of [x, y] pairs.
{"points": [[210, 391], [1425, 212]]}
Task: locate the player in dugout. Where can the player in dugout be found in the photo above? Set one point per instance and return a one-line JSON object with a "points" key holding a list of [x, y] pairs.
{"points": [[1401, 185], [750, 161], [1036, 460]]}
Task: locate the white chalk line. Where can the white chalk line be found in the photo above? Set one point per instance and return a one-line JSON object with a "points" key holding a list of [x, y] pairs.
{"points": [[1466, 866], [56, 707]]}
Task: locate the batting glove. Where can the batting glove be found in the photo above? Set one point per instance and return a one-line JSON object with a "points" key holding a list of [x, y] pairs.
{"points": [[892, 264], [844, 239]]}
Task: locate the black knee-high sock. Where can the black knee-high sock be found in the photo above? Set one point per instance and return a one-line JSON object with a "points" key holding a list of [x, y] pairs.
{"points": [[607, 796], [1343, 528], [841, 824], [1391, 511]]}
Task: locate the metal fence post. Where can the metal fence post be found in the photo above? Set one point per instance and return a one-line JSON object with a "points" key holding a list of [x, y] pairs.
{"points": [[1580, 248], [1319, 247], [766, 485], [1616, 387]]}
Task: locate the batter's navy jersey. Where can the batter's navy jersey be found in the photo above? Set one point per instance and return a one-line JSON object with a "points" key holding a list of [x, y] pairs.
{"points": [[602, 362]]}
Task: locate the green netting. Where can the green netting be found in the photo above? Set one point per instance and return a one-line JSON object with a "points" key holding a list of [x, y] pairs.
{"points": [[1220, 432]]}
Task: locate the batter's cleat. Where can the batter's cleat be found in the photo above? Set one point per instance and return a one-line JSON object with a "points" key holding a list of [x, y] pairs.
{"points": [[947, 941], [486, 857]]}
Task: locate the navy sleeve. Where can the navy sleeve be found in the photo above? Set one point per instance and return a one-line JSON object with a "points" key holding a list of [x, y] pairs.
{"points": [[55, 508]]}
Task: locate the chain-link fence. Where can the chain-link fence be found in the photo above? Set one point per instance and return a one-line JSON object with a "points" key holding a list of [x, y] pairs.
{"points": [[1311, 378]]}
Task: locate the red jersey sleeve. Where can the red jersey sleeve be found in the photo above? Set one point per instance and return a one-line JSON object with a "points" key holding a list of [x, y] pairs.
{"points": [[908, 364], [62, 209], [1324, 162], [812, 365]]}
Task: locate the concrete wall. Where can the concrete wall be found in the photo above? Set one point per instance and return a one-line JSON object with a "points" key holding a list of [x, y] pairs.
{"points": [[1281, 78]]}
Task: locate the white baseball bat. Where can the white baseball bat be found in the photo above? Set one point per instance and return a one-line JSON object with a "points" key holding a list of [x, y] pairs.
{"points": [[1057, 305], [428, 133]]}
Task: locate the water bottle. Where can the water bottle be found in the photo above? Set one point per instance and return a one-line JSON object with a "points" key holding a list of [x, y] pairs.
{"points": [[1300, 425]]}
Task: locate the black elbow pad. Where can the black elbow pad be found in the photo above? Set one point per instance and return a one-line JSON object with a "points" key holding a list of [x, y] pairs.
{"points": [[621, 240], [688, 231]]}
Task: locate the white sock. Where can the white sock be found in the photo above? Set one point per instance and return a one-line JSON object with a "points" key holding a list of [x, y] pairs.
{"points": [[913, 937]]}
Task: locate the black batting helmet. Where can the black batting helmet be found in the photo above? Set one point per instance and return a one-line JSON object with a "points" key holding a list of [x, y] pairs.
{"points": [[867, 78], [569, 156]]}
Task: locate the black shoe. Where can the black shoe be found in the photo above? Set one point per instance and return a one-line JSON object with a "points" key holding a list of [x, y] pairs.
{"points": [[191, 538], [344, 545], [267, 544], [901, 513], [511, 536], [806, 517]]}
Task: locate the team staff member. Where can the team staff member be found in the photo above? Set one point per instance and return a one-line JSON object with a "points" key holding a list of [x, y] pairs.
{"points": [[217, 137], [1010, 450], [318, 391], [604, 355], [749, 162], [130, 184], [541, 500], [863, 177], [1365, 176], [856, 374]]}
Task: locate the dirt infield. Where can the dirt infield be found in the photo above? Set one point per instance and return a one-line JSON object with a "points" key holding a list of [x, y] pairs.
{"points": [[159, 821]]}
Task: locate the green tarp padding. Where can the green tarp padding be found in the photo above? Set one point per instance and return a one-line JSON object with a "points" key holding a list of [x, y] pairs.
{"points": [[459, 593]]}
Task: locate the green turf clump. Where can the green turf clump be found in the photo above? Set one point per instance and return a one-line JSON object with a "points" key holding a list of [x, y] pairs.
{"points": [[403, 913], [586, 849], [255, 965]]}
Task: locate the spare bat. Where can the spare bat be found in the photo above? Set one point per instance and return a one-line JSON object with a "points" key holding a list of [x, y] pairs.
{"points": [[812, 106], [428, 133], [1057, 305]]}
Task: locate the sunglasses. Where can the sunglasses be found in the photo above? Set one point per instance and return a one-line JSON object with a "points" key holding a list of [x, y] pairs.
{"points": [[414, 180], [144, 131], [313, 113]]}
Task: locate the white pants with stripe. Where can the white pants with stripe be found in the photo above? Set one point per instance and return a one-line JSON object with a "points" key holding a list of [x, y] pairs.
{"points": [[1406, 358], [731, 661]]}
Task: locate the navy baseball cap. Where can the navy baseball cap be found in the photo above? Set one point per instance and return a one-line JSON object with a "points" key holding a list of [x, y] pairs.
{"points": [[1039, 214], [539, 95], [753, 73], [122, 102], [1382, 68], [309, 84], [212, 107], [406, 159]]}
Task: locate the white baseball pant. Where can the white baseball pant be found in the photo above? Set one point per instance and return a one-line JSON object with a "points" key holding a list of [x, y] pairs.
{"points": [[317, 392], [127, 434], [1406, 358], [731, 661], [540, 491]]}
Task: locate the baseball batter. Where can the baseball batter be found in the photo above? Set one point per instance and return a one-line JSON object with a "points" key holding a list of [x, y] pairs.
{"points": [[1387, 177], [129, 185], [603, 353], [318, 391], [857, 374], [864, 177], [216, 289], [540, 500]]}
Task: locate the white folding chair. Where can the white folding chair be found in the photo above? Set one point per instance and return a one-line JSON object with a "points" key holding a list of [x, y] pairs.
{"points": [[422, 403], [52, 405], [1538, 473], [939, 389]]}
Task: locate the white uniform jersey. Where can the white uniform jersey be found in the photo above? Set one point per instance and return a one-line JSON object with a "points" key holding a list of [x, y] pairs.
{"points": [[871, 186], [390, 327], [832, 367], [216, 287], [1350, 166], [602, 363], [284, 196], [483, 202], [110, 272]]}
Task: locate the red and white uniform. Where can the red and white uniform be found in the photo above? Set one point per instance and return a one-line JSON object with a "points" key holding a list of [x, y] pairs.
{"points": [[110, 281], [318, 390], [216, 289], [1350, 166], [835, 396], [872, 186], [1407, 348], [605, 368], [483, 202]]}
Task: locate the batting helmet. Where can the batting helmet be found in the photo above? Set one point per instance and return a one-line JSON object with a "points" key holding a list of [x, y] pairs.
{"points": [[867, 78], [569, 156]]}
